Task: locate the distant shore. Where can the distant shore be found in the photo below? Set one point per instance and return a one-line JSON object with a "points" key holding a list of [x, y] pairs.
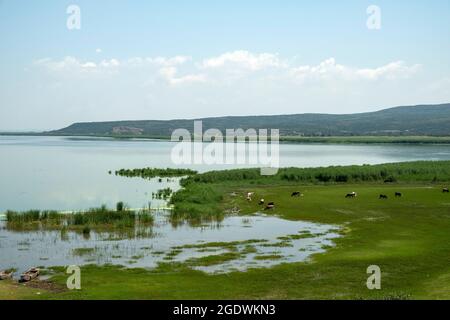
{"points": [[283, 139]]}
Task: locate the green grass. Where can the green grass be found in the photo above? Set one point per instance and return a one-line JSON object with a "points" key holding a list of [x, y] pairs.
{"points": [[368, 139], [149, 173], [96, 218], [407, 237], [202, 194]]}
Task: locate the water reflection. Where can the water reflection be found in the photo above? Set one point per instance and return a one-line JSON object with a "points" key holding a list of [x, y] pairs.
{"points": [[64, 173], [235, 243]]}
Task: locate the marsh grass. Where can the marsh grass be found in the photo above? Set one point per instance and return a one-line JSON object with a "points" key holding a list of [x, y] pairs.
{"points": [[84, 221], [83, 251], [149, 173]]}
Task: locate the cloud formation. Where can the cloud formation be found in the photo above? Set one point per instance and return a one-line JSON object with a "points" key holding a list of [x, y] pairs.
{"points": [[179, 70]]}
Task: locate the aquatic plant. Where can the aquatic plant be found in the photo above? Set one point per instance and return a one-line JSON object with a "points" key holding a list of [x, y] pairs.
{"points": [[83, 220], [162, 194], [149, 173]]}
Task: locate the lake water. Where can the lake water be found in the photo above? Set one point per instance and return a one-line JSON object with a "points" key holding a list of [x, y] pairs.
{"points": [[65, 173], [257, 241], [70, 173]]}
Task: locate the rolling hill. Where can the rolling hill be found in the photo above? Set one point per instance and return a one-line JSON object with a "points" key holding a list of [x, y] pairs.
{"points": [[420, 120]]}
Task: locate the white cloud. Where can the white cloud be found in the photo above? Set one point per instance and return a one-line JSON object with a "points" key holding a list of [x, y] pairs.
{"points": [[233, 65], [158, 61], [233, 83], [393, 70], [244, 59], [329, 70], [169, 74]]}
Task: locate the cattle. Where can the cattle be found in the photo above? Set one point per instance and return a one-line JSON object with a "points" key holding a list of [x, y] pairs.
{"points": [[351, 195], [398, 194], [296, 194], [271, 204], [269, 207], [261, 202], [383, 196], [445, 190]]}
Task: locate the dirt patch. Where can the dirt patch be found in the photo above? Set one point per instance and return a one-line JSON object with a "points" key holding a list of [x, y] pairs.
{"points": [[46, 285]]}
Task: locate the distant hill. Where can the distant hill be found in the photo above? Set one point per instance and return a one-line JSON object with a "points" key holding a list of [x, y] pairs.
{"points": [[418, 120]]}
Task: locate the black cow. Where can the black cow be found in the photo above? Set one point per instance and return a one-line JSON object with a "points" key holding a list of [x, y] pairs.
{"points": [[296, 194], [270, 206], [383, 196], [261, 202], [351, 195], [445, 190], [398, 194]]}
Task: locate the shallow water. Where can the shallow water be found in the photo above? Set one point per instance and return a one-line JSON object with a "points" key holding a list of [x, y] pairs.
{"points": [[23, 250], [69, 173]]}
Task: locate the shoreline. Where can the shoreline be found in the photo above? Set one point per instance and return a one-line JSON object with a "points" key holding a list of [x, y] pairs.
{"points": [[333, 140]]}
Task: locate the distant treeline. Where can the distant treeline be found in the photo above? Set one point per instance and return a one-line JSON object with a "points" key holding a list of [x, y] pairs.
{"points": [[154, 172]]}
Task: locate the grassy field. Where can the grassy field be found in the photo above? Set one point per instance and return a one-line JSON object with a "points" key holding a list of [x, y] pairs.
{"points": [[407, 237]]}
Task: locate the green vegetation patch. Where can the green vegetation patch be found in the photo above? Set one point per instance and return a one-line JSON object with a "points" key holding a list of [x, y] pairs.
{"points": [[83, 221], [83, 251], [213, 259], [149, 173]]}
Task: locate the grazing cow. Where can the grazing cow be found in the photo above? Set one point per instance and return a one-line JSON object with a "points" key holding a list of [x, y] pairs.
{"points": [[270, 206], [351, 195], [398, 194], [383, 196], [445, 190], [261, 202], [296, 194]]}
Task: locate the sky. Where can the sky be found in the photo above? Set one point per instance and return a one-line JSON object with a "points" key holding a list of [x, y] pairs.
{"points": [[83, 60]]}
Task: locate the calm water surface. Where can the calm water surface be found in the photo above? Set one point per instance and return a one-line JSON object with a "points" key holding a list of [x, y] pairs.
{"points": [[64, 173], [69, 173], [257, 240]]}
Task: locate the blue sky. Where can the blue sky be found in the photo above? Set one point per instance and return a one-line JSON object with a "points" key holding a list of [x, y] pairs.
{"points": [[184, 59]]}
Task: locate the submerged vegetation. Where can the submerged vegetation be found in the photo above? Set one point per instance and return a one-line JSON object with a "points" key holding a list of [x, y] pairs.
{"points": [[149, 173], [162, 194], [84, 220]]}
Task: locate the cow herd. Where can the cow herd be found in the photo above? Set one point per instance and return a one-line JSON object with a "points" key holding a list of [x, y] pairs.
{"points": [[271, 205], [385, 197]]}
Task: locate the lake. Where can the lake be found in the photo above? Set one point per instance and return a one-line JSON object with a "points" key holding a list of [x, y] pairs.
{"points": [[71, 173]]}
